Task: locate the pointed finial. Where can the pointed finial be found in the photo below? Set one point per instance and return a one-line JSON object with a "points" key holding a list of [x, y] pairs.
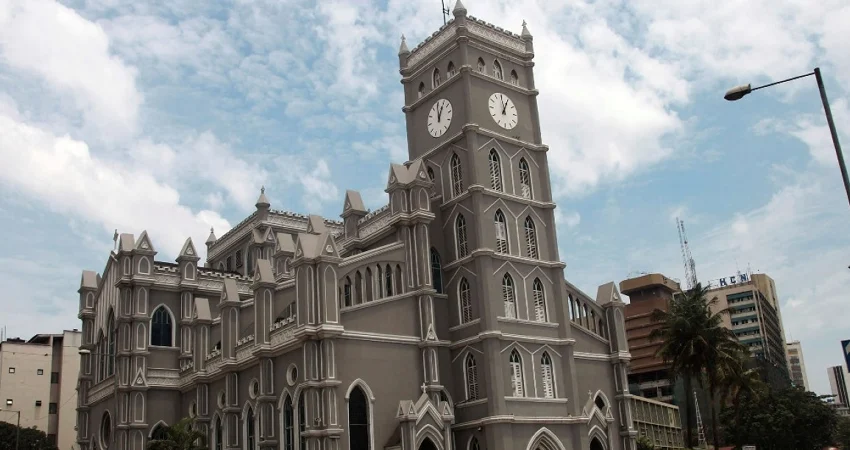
{"points": [[525, 32], [459, 9], [402, 49], [262, 201], [115, 240]]}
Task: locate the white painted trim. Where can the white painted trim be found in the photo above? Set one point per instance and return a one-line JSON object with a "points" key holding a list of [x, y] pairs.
{"points": [[244, 419], [161, 422], [544, 434], [537, 399], [465, 404], [105, 446], [597, 433], [380, 337], [465, 325], [528, 322], [371, 398], [429, 432], [173, 326]]}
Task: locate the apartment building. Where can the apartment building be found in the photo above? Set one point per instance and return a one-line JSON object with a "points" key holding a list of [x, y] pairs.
{"points": [[38, 378]]}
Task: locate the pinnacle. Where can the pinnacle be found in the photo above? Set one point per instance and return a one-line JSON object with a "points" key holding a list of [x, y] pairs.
{"points": [[262, 201], [525, 32], [212, 238], [402, 49], [459, 9]]}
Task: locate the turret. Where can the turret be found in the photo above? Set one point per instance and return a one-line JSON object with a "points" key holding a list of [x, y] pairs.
{"points": [[262, 205], [352, 211], [403, 53]]}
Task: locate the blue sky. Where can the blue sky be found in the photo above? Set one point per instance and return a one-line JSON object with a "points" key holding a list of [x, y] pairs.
{"points": [[169, 116]]}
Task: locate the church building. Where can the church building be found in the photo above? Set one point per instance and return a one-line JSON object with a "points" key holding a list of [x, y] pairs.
{"points": [[440, 321]]}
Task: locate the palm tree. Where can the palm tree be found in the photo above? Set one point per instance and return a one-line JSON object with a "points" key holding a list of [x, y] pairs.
{"points": [[722, 363], [696, 345], [680, 349], [739, 382], [180, 436]]}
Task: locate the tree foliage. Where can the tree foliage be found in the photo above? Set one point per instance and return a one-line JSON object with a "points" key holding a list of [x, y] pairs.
{"points": [[786, 419], [644, 443], [180, 436], [842, 433], [698, 347], [30, 438]]}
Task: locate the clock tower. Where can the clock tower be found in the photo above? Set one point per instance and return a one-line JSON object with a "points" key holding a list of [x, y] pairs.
{"points": [[472, 119]]}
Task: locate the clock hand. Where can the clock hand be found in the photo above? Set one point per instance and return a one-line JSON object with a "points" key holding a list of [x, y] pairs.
{"points": [[504, 106], [439, 113]]}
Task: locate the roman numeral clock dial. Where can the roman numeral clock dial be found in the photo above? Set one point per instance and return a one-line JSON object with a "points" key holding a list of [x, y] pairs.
{"points": [[439, 118], [503, 110]]}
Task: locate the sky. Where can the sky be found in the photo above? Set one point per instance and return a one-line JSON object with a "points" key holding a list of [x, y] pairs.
{"points": [[168, 116]]}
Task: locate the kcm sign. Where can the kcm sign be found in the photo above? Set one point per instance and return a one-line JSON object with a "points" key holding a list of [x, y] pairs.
{"points": [[726, 281]]}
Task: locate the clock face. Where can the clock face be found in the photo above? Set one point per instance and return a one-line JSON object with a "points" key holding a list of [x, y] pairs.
{"points": [[503, 111], [440, 117]]}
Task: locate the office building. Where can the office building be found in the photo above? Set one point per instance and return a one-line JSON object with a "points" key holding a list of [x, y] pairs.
{"points": [[439, 321], [659, 422], [755, 318], [796, 364], [838, 378], [38, 378], [648, 373]]}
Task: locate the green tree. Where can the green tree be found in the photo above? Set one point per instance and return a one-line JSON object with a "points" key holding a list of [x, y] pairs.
{"points": [[30, 438], [842, 433], [644, 443], [785, 419], [180, 436], [697, 346], [739, 381]]}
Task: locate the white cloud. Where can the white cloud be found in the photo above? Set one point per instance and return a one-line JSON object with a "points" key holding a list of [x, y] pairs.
{"points": [[72, 55], [62, 174], [318, 186]]}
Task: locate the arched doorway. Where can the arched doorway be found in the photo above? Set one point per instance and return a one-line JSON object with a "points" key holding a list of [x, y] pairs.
{"points": [[427, 444], [596, 444]]}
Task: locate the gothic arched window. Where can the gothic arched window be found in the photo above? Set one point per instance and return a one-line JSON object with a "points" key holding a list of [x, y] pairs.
{"points": [[546, 374], [482, 67], [302, 421], [460, 236], [509, 296], [370, 285], [497, 70], [421, 89], [161, 327], [457, 176], [159, 433], [524, 178], [501, 232], [465, 301], [388, 275], [358, 420], [436, 79], [495, 170], [471, 373], [217, 434], [539, 301], [436, 271], [516, 374], [530, 239], [514, 77], [250, 430], [288, 425], [346, 292], [451, 72], [110, 350]]}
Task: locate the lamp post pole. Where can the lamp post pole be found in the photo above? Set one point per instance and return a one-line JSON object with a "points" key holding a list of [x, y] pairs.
{"points": [[739, 92]]}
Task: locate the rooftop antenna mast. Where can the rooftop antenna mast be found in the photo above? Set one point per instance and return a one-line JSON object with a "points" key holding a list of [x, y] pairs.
{"points": [[445, 12], [687, 258]]}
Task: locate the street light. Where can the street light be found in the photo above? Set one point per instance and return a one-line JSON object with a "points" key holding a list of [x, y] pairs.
{"points": [[738, 92], [18, 429]]}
